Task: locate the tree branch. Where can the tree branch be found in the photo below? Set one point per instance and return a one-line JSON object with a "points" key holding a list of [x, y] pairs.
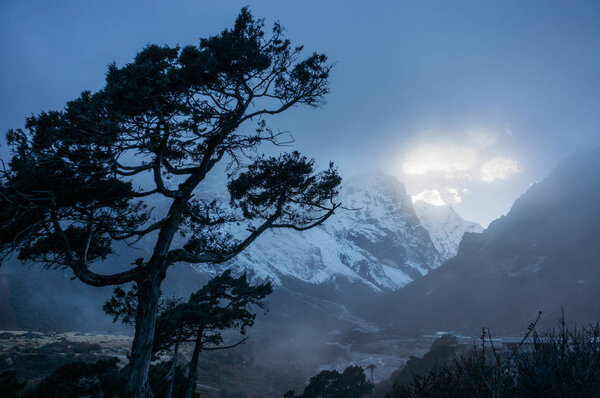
{"points": [[80, 268], [225, 347], [179, 255], [320, 221]]}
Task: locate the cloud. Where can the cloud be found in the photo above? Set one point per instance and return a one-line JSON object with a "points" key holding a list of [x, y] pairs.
{"points": [[453, 195], [465, 157], [454, 161], [431, 196], [498, 168], [447, 195]]}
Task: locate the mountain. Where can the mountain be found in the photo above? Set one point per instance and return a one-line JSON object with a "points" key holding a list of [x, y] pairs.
{"points": [[377, 240], [543, 255], [377, 243], [446, 228]]}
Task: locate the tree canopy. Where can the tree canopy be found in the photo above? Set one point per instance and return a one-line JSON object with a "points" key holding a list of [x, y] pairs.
{"points": [[225, 302], [69, 191], [79, 180]]}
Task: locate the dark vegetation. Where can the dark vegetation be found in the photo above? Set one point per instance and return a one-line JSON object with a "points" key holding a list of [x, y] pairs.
{"points": [[103, 378], [10, 384], [31, 363], [224, 303], [79, 179], [351, 383], [442, 351], [562, 363]]}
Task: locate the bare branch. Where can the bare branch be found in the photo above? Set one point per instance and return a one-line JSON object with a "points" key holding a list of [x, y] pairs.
{"points": [[225, 347]]}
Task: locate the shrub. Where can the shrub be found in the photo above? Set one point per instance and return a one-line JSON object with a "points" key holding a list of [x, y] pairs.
{"points": [[10, 385], [76, 379], [561, 363], [101, 379], [351, 383]]}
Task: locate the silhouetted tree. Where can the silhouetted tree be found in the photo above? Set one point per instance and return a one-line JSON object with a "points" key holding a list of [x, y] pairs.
{"points": [[372, 368], [351, 383], [224, 303], [122, 305], [81, 379], [77, 178]]}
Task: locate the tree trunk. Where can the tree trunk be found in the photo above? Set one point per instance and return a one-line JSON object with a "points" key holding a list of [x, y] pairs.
{"points": [[171, 376], [193, 368], [141, 350]]}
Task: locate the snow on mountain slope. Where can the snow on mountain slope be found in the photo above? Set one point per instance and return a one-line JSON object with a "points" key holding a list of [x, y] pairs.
{"points": [[379, 242], [446, 228]]}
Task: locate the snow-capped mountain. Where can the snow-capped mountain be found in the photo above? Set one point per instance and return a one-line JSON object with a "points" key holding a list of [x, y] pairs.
{"points": [[379, 241], [377, 245], [446, 228]]}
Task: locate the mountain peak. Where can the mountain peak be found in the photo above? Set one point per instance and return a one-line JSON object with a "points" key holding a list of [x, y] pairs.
{"points": [[376, 240], [446, 228]]}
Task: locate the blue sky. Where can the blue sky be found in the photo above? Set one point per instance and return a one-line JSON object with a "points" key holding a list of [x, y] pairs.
{"points": [[465, 102]]}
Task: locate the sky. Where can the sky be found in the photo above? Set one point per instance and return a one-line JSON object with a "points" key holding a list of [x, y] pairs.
{"points": [[466, 103]]}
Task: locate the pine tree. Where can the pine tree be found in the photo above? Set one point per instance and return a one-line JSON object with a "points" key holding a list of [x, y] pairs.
{"points": [[351, 383], [78, 178], [224, 303]]}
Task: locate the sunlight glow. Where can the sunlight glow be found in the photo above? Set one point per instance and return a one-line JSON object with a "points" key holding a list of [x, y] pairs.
{"points": [[431, 196], [499, 169], [454, 161]]}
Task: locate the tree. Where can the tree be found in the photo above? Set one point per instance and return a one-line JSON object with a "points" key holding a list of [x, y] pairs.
{"points": [[223, 303], [78, 178], [351, 383], [372, 368], [122, 306]]}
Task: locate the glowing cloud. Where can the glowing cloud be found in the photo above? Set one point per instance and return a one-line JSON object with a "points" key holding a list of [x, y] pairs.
{"points": [[431, 196], [452, 160], [498, 169], [453, 195]]}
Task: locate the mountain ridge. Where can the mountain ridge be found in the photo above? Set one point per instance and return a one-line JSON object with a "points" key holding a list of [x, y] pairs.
{"points": [[543, 255], [380, 242]]}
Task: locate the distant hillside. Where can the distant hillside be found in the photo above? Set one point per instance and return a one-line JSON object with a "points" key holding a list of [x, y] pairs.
{"points": [[543, 255]]}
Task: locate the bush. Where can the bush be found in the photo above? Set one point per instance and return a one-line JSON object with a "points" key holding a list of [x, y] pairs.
{"points": [[101, 379], [351, 383], [562, 363], [10, 386], [76, 379]]}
